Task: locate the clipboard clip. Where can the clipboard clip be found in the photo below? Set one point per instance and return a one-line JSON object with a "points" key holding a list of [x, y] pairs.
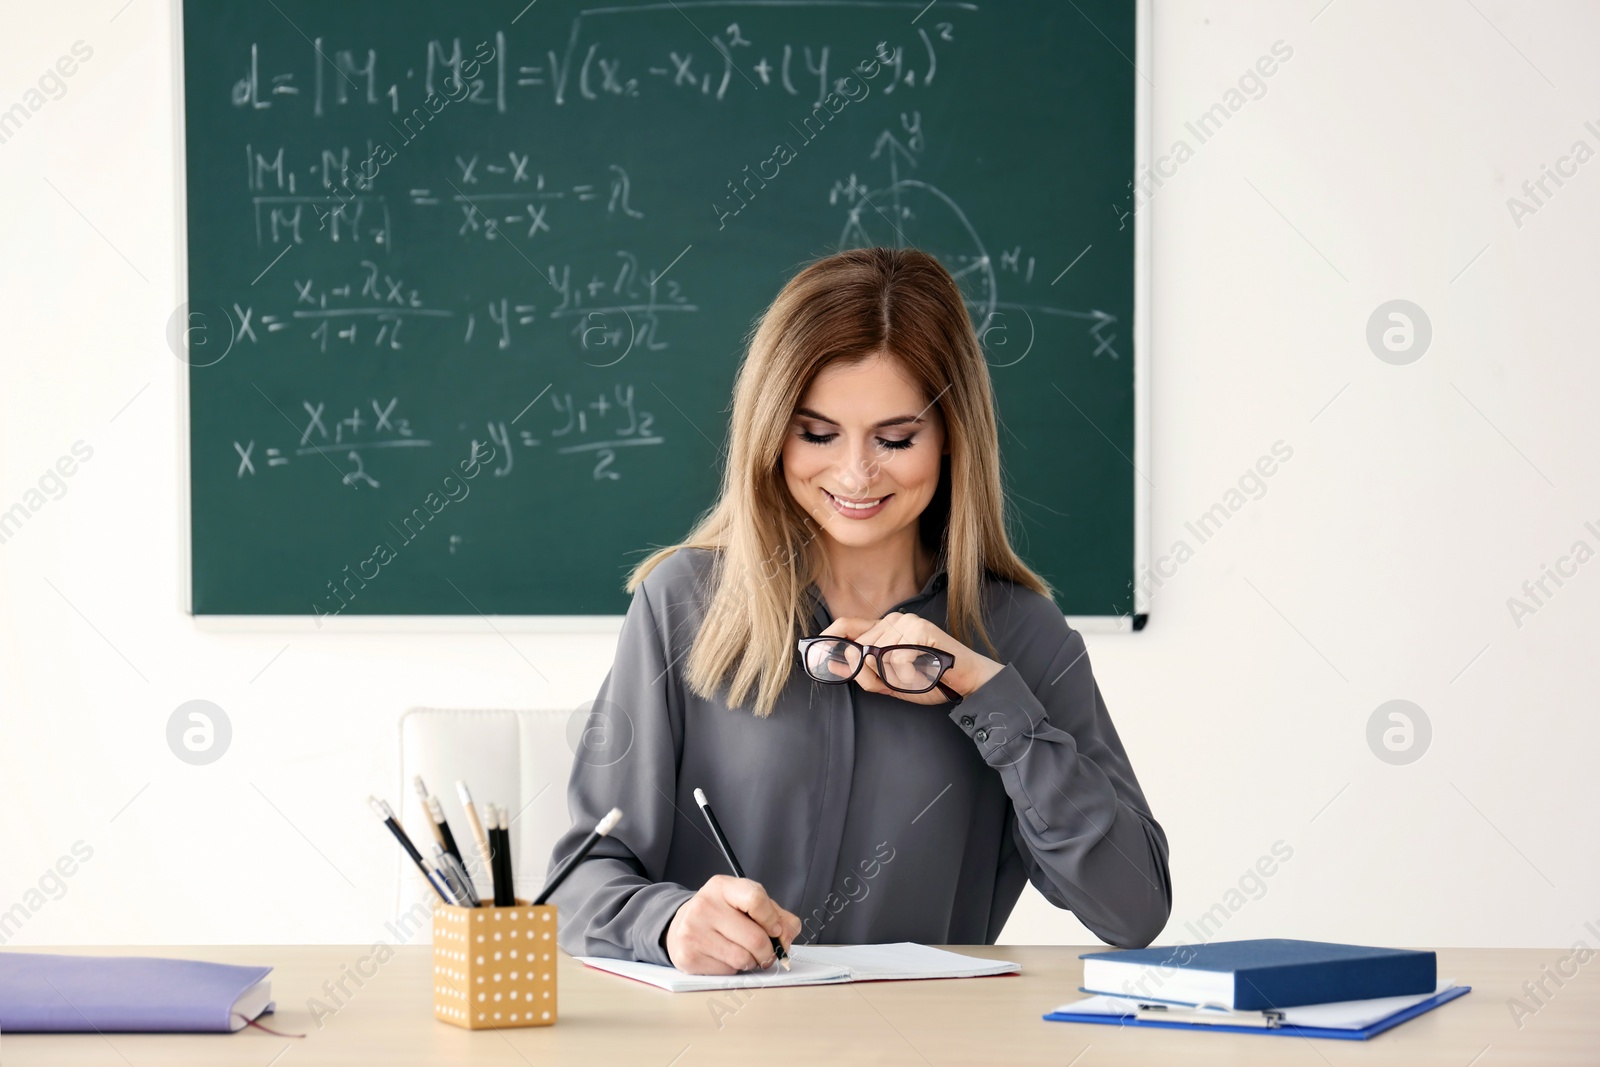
{"points": [[1213, 1014]]}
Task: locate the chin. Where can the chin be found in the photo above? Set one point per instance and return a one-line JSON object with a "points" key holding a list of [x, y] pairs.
{"points": [[854, 538], [853, 533]]}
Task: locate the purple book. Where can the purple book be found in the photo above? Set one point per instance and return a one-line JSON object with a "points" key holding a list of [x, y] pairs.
{"points": [[41, 993]]}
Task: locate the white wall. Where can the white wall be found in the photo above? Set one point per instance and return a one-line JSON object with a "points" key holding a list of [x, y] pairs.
{"points": [[1377, 565]]}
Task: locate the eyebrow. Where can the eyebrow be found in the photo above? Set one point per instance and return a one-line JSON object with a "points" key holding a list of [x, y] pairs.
{"points": [[896, 421]]}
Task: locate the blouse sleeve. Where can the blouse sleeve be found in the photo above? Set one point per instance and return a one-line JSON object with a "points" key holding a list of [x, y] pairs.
{"points": [[615, 902], [1085, 833]]}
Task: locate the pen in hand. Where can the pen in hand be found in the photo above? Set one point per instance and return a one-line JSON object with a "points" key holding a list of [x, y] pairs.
{"points": [[738, 871]]}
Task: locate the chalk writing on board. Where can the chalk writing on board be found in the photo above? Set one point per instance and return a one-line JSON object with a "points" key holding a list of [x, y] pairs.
{"points": [[294, 219], [489, 191], [613, 426], [325, 75], [360, 446], [848, 90], [453, 489], [905, 210], [523, 212], [331, 212], [619, 304]]}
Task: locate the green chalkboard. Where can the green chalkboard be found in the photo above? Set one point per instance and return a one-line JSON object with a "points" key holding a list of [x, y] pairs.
{"points": [[423, 231]]}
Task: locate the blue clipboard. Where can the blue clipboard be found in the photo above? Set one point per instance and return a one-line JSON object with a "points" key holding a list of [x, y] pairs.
{"points": [[1287, 1030]]}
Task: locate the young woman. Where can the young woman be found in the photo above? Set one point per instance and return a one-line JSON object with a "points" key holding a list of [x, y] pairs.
{"points": [[872, 793]]}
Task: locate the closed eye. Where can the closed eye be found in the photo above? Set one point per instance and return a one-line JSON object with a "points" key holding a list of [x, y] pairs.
{"points": [[822, 439]]}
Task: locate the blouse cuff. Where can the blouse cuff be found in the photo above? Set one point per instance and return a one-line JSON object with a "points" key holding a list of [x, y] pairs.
{"points": [[665, 898], [1000, 716]]}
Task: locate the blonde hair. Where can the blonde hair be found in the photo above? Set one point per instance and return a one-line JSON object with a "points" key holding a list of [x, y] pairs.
{"points": [[846, 307]]}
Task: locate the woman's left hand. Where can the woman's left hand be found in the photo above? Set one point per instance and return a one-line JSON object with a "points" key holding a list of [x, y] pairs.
{"points": [[903, 628]]}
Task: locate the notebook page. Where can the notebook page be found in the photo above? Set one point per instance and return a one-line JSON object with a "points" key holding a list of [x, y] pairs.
{"points": [[252, 1003], [905, 960], [670, 978]]}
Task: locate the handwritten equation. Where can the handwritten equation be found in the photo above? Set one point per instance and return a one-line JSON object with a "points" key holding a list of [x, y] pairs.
{"points": [[359, 448], [328, 195], [325, 76], [609, 313]]}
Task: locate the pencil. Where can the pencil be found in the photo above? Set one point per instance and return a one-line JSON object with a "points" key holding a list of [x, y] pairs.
{"points": [[606, 825], [447, 838], [476, 824], [386, 814], [456, 877], [505, 895], [738, 871], [422, 793]]}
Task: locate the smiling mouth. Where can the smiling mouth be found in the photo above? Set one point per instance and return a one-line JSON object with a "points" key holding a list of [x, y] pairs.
{"points": [[865, 504]]}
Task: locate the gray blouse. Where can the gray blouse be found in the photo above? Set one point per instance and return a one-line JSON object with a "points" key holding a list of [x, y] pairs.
{"points": [[871, 818]]}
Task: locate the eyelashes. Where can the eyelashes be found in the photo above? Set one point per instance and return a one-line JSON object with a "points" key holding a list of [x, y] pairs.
{"points": [[822, 439]]}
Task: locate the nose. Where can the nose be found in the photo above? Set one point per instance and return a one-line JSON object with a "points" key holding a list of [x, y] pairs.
{"points": [[856, 475]]}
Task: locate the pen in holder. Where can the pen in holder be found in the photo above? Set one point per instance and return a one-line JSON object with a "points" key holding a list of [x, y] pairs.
{"points": [[494, 968]]}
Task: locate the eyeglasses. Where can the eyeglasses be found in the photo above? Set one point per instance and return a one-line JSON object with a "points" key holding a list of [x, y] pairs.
{"points": [[903, 668]]}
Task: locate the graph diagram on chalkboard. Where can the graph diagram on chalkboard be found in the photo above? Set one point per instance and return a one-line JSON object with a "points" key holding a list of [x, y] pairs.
{"points": [[467, 288]]}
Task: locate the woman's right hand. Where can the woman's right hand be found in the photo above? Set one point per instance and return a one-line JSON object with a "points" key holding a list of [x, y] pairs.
{"points": [[727, 927]]}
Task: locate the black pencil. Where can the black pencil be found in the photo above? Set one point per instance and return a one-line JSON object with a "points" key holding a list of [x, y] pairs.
{"points": [[738, 871], [441, 829], [511, 860], [450, 845], [386, 814], [606, 825], [499, 855]]}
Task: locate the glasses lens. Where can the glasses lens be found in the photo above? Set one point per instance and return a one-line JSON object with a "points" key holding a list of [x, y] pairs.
{"points": [[832, 661], [911, 670]]}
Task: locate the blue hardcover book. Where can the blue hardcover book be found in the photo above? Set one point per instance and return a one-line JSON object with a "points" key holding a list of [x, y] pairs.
{"points": [[1261, 974], [44, 993]]}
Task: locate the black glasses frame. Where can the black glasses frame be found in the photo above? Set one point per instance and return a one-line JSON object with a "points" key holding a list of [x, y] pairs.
{"points": [[946, 661]]}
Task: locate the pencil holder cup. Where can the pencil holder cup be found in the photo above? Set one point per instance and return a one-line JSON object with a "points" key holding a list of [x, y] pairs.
{"points": [[494, 968]]}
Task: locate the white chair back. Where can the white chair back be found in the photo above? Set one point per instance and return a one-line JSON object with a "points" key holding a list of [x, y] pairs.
{"points": [[519, 760]]}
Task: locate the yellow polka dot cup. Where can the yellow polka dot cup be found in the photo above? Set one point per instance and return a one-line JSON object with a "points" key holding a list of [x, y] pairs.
{"points": [[494, 968]]}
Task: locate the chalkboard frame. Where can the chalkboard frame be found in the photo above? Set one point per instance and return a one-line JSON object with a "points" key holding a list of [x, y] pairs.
{"points": [[178, 338]]}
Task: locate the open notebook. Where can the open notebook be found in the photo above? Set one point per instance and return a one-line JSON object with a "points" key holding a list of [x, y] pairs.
{"points": [[819, 965]]}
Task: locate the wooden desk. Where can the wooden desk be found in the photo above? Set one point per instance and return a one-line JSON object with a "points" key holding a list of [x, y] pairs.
{"points": [[608, 1020]]}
